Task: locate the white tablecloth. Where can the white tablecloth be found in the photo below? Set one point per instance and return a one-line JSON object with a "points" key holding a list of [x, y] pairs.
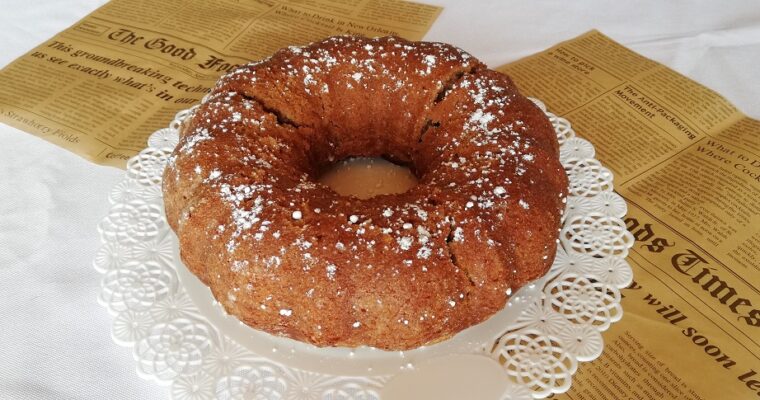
{"points": [[55, 339]]}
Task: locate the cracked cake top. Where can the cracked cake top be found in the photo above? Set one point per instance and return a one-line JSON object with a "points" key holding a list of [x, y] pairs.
{"points": [[286, 254]]}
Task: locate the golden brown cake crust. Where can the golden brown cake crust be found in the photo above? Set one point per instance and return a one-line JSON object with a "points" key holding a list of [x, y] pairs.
{"points": [[287, 255]]}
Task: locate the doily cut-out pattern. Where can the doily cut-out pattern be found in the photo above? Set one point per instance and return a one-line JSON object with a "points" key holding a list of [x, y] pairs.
{"points": [[175, 344]]}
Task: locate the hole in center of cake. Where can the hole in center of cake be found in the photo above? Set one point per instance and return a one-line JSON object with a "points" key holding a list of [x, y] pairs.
{"points": [[366, 177]]}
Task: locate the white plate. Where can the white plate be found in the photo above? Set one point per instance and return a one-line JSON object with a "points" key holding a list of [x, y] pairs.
{"points": [[531, 349]]}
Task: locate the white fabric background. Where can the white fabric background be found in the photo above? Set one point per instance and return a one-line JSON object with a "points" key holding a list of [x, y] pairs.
{"points": [[55, 339]]}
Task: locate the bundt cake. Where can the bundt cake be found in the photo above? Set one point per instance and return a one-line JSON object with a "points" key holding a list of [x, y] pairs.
{"points": [[287, 255]]}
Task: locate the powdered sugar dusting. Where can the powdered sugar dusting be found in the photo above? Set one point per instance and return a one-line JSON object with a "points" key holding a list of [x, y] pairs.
{"points": [[405, 243], [331, 270], [285, 222]]}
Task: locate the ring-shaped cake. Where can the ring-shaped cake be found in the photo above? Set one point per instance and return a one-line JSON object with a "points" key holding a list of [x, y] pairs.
{"points": [[286, 254]]}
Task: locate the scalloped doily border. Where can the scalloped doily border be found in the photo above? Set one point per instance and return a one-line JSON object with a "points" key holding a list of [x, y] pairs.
{"points": [[174, 344]]}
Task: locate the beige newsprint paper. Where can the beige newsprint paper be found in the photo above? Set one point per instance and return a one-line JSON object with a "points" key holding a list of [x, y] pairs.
{"points": [[100, 87], [688, 164], [686, 160]]}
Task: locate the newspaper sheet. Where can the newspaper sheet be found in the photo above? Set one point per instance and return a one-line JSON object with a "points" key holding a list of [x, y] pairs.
{"points": [[100, 87], [687, 163]]}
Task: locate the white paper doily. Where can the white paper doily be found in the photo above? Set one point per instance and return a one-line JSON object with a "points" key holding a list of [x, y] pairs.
{"points": [[529, 350]]}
